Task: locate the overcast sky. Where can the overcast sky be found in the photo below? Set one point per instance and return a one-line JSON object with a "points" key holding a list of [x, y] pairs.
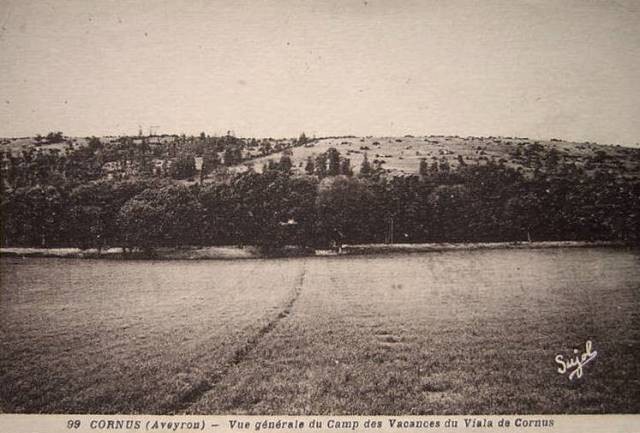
{"points": [[566, 69]]}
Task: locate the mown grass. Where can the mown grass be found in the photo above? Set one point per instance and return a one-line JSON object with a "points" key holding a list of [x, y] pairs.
{"points": [[453, 332], [84, 336], [458, 332]]}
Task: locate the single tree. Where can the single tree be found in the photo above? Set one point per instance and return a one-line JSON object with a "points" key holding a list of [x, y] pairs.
{"points": [[423, 169], [184, 167], [309, 168], [333, 156], [365, 167]]}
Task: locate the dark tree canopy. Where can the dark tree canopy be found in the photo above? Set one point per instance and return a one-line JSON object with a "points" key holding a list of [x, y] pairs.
{"points": [[170, 216], [184, 167]]}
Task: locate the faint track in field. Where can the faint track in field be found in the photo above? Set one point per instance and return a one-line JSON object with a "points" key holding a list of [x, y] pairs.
{"points": [[191, 397]]}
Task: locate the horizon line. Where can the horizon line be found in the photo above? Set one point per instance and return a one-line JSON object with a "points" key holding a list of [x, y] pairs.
{"points": [[323, 137]]}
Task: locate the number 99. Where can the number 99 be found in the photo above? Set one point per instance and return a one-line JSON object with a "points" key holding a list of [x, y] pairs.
{"points": [[73, 423]]}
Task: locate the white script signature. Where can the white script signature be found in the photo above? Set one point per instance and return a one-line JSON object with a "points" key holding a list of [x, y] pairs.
{"points": [[576, 362]]}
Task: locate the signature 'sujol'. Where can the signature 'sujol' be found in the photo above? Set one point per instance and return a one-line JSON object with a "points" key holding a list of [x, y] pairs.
{"points": [[577, 362]]}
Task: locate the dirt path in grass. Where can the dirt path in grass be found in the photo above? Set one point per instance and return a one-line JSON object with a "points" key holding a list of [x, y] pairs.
{"points": [[455, 333], [243, 351]]}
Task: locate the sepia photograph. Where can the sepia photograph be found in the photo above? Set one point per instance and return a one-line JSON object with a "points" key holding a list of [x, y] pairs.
{"points": [[320, 208]]}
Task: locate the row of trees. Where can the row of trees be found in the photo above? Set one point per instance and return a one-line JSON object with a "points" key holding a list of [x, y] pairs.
{"points": [[468, 204]]}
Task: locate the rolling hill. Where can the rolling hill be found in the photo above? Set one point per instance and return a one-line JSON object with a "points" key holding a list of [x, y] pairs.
{"points": [[402, 155]]}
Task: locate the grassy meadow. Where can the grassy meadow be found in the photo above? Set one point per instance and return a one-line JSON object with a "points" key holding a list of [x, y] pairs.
{"points": [[438, 333], [111, 336], [402, 155]]}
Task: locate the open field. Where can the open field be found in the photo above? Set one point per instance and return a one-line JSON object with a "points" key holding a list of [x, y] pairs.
{"points": [[452, 332], [99, 336], [402, 155]]}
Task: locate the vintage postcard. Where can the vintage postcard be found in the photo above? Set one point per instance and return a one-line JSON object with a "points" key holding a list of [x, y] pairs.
{"points": [[318, 216]]}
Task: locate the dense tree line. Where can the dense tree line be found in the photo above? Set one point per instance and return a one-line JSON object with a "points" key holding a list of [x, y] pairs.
{"points": [[62, 206]]}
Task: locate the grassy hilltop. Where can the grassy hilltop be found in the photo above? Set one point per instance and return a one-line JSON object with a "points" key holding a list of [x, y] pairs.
{"points": [[402, 155], [394, 155]]}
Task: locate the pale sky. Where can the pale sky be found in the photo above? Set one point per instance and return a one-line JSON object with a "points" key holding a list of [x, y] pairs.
{"points": [[565, 69]]}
